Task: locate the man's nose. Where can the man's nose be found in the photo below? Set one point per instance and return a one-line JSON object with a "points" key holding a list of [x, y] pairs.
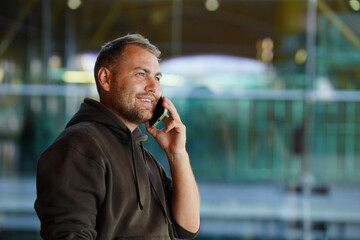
{"points": [[152, 84]]}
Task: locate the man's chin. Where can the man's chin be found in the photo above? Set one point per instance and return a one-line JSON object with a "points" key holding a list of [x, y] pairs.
{"points": [[139, 118], [146, 118], [142, 116]]}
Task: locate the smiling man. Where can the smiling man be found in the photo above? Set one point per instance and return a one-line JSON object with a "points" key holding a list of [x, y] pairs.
{"points": [[96, 181]]}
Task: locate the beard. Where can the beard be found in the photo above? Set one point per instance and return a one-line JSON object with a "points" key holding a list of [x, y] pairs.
{"points": [[134, 114], [124, 105], [130, 113]]}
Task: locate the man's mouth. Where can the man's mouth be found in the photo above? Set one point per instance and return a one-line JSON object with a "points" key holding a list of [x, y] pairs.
{"points": [[146, 100]]}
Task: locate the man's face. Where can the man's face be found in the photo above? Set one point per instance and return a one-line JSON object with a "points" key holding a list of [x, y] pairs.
{"points": [[135, 88]]}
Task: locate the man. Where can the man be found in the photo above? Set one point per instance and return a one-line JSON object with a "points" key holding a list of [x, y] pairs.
{"points": [[96, 181]]}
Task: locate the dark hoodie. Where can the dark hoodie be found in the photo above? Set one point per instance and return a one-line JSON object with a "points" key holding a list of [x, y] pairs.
{"points": [[97, 182]]}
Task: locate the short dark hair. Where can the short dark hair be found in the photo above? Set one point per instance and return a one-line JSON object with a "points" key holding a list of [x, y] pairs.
{"points": [[111, 51]]}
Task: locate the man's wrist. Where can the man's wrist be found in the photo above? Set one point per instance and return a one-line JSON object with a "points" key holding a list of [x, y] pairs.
{"points": [[178, 156]]}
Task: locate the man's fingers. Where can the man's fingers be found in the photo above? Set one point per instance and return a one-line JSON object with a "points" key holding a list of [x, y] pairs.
{"points": [[167, 120], [172, 110], [152, 131]]}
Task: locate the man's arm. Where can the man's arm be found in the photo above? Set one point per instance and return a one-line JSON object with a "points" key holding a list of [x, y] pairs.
{"points": [[66, 201], [70, 186], [185, 199]]}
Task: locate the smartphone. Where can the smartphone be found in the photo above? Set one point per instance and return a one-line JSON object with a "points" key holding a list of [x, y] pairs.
{"points": [[159, 113]]}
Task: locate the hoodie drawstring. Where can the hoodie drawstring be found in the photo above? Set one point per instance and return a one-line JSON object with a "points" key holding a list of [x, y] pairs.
{"points": [[136, 177], [152, 186]]}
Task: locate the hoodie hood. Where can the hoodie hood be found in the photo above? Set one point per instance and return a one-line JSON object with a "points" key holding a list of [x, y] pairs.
{"points": [[94, 111]]}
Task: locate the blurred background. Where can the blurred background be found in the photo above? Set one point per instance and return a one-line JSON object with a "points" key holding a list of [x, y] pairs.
{"points": [[268, 90]]}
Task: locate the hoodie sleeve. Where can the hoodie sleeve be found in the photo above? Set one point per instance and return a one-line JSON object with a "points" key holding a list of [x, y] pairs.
{"points": [[70, 188]]}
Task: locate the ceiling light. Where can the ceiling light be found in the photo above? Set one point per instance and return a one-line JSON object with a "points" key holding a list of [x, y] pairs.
{"points": [[74, 4], [78, 77], [212, 5], [300, 56], [355, 5]]}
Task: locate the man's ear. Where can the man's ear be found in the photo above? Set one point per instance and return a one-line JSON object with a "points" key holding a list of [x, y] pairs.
{"points": [[105, 78]]}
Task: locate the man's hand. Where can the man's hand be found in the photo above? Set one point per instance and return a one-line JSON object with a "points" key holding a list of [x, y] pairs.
{"points": [[172, 138]]}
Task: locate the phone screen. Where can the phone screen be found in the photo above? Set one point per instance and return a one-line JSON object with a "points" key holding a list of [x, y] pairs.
{"points": [[159, 113]]}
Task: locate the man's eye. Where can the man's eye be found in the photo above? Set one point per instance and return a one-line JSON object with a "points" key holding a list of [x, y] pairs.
{"points": [[157, 79], [140, 74]]}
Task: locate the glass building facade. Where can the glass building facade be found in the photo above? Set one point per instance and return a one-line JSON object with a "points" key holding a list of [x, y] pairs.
{"points": [[268, 90]]}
